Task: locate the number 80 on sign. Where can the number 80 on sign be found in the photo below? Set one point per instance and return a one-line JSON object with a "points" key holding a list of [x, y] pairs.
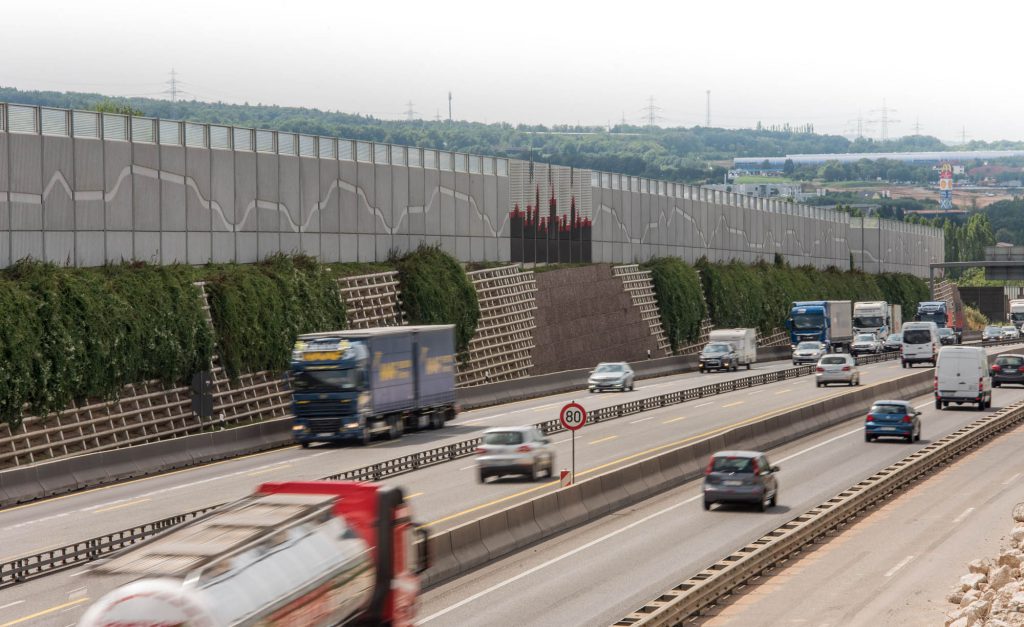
{"points": [[573, 416]]}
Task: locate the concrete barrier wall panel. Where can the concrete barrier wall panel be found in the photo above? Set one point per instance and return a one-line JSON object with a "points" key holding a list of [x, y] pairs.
{"points": [[570, 503], [495, 534], [443, 563], [547, 513], [523, 525], [468, 546]]}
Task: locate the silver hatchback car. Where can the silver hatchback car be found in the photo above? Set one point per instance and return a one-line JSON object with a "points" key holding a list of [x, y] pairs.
{"points": [[741, 477], [837, 368], [514, 451]]}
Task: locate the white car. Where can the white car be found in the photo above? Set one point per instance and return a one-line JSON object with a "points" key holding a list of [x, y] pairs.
{"points": [[808, 353], [865, 343], [1011, 332], [837, 368]]}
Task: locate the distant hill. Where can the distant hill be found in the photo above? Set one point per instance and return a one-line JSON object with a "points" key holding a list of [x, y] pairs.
{"points": [[679, 154]]}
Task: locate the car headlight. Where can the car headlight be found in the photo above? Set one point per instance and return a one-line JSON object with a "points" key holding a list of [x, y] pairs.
{"points": [[351, 425]]}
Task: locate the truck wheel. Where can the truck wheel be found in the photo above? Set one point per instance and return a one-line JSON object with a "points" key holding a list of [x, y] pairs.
{"points": [[365, 436], [436, 421], [304, 444], [482, 477], [938, 404], [748, 366]]}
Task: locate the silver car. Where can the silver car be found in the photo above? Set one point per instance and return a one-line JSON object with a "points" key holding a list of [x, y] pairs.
{"points": [[514, 451], [837, 368], [808, 353], [865, 343], [1011, 332], [611, 376]]}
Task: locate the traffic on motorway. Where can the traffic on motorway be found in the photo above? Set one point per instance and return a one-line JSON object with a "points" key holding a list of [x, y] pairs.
{"points": [[733, 476]]}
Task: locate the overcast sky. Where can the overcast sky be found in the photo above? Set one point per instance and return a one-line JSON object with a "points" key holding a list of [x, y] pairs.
{"points": [[948, 66]]}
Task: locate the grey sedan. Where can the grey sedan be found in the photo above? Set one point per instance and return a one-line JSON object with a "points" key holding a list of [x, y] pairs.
{"points": [[808, 353], [611, 376]]}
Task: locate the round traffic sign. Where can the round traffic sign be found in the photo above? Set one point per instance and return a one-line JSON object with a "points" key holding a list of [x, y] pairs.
{"points": [[573, 416]]}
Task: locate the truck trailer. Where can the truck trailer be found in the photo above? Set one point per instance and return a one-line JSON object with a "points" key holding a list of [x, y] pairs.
{"points": [[827, 321], [310, 553], [354, 385]]}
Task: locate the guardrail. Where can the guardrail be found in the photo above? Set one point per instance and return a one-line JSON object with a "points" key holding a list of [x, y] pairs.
{"points": [[31, 566], [722, 578]]}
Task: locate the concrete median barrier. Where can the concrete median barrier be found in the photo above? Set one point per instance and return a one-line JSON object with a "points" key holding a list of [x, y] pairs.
{"points": [[593, 497], [86, 472], [443, 564], [468, 546], [522, 524], [495, 534], [19, 485], [548, 515], [570, 504]]}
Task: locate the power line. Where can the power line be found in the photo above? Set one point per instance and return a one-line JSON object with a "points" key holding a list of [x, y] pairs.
{"points": [[410, 113], [172, 86], [652, 112], [917, 126], [885, 120]]}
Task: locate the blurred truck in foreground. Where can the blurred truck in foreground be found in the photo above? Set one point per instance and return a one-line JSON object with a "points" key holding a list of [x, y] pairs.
{"points": [[311, 553]]}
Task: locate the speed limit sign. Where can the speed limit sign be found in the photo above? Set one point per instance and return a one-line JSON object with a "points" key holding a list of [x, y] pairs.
{"points": [[573, 416]]}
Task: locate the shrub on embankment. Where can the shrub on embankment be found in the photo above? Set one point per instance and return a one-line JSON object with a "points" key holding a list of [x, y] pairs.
{"points": [[68, 333], [905, 290], [759, 295], [677, 289], [258, 309], [437, 290]]}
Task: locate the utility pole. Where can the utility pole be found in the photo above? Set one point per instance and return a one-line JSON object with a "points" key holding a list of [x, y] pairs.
{"points": [[410, 113], [963, 135], [885, 120], [172, 86], [707, 109], [652, 112], [449, 106], [917, 126], [437, 116]]}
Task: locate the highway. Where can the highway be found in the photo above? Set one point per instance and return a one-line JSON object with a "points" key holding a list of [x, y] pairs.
{"points": [[598, 573], [609, 580], [932, 531], [80, 515]]}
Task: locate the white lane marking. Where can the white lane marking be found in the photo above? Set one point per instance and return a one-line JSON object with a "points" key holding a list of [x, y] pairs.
{"points": [[967, 512], [153, 493], [553, 561], [892, 571], [4, 607], [586, 546], [922, 405], [633, 422], [820, 444], [467, 467], [705, 404], [1011, 479]]}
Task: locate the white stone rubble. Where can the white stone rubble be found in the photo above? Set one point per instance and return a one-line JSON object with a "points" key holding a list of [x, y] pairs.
{"points": [[991, 594]]}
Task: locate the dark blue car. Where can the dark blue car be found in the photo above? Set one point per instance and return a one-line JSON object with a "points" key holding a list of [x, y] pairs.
{"points": [[892, 419]]}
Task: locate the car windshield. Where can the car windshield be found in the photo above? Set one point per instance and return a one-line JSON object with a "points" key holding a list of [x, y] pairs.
{"points": [[503, 437], [807, 322], [325, 380], [1010, 360], [917, 336], [733, 464], [716, 348], [833, 360], [609, 368], [888, 408], [993, 330], [865, 337], [808, 346], [895, 337]]}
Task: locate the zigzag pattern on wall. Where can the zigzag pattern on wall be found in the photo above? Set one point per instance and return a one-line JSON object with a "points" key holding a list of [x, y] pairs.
{"points": [[215, 208], [768, 243]]}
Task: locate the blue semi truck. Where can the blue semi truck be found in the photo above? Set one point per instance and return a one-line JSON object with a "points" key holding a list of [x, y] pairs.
{"points": [[827, 321], [355, 385]]}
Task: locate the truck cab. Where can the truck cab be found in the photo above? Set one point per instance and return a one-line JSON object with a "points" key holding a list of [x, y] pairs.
{"points": [[943, 315], [1016, 315], [330, 385], [872, 317], [808, 322]]}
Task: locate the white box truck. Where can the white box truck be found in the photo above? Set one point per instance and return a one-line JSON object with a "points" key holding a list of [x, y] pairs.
{"points": [[876, 316], [1016, 316], [744, 342]]}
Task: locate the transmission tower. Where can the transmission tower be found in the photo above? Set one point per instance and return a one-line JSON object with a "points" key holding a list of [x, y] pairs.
{"points": [[858, 125], [172, 86], [410, 113], [917, 126], [652, 112], [885, 120], [707, 109]]}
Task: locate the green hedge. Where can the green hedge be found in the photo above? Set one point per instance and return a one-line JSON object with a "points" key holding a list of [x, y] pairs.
{"points": [[677, 289], [259, 309], [77, 333], [759, 296], [436, 290]]}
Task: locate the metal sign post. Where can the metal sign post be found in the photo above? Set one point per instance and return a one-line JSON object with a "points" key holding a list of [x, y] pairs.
{"points": [[573, 417]]}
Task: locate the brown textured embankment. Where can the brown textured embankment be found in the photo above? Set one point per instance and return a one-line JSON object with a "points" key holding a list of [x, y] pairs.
{"points": [[991, 594]]}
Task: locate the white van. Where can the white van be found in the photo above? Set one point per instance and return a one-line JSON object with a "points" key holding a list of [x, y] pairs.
{"points": [[920, 343], [962, 376], [744, 342]]}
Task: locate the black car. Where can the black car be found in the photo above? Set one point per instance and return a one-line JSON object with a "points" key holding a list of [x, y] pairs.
{"points": [[947, 336], [1008, 369]]}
